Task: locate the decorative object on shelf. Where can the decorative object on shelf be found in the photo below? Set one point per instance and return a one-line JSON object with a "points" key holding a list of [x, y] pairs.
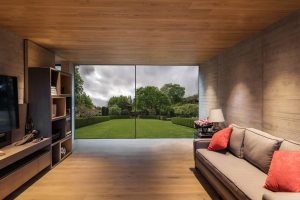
{"points": [[54, 110], [29, 126], [27, 138], [63, 151], [216, 117], [68, 133], [58, 67], [203, 125], [38, 139], [53, 90]]}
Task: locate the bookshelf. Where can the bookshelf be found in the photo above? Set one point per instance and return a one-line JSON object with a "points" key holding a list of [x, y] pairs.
{"points": [[50, 94]]}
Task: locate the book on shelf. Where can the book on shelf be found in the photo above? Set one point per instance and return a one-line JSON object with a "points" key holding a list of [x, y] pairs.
{"points": [[53, 90]]}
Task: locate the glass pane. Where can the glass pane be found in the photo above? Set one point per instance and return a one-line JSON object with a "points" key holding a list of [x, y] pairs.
{"points": [[104, 101], [166, 101]]}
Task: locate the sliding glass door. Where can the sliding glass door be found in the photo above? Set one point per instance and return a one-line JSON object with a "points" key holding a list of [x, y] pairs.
{"points": [[164, 96], [104, 101], [136, 101]]}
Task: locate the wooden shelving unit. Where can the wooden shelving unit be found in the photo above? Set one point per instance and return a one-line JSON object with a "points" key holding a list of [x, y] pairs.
{"points": [[50, 91]]}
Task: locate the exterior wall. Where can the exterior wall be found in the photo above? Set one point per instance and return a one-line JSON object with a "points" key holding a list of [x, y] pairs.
{"points": [[256, 81]]}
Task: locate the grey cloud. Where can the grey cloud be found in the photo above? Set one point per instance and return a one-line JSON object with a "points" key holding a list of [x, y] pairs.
{"points": [[87, 69]]}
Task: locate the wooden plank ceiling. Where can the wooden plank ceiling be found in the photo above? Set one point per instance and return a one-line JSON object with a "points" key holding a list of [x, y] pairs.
{"points": [[174, 32]]}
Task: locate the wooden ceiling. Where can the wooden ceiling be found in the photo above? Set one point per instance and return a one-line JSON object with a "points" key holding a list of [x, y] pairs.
{"points": [[177, 32]]}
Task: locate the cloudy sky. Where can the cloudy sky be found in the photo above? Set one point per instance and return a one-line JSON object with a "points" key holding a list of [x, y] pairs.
{"points": [[104, 81]]}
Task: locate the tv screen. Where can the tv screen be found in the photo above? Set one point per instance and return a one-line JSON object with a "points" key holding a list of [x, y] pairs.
{"points": [[9, 112]]}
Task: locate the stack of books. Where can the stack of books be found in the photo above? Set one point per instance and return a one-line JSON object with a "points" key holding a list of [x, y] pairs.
{"points": [[53, 90]]}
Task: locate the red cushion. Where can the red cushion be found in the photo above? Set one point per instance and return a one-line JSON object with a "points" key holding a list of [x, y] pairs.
{"points": [[284, 173], [220, 140]]}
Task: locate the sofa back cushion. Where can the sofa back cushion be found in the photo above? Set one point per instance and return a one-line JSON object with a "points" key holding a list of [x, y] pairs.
{"points": [[236, 140], [289, 145], [259, 148]]}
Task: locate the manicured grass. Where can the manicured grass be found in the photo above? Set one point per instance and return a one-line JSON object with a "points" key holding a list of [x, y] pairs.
{"points": [[124, 128]]}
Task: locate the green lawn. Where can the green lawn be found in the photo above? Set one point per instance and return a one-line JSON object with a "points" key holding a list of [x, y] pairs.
{"points": [[124, 128]]}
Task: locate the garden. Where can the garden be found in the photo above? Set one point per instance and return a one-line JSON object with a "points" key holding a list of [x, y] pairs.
{"points": [[153, 112]]}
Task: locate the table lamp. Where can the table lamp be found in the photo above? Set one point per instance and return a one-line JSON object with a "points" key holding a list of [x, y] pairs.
{"points": [[216, 117]]}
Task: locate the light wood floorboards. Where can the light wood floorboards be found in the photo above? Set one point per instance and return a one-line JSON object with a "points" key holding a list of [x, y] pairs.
{"points": [[123, 169]]}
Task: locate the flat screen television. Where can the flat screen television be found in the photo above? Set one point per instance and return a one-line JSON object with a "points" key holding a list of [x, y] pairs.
{"points": [[9, 109]]}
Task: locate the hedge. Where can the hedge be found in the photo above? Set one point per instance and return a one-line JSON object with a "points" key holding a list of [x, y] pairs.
{"points": [[148, 116], [81, 122], [119, 116], [189, 122]]}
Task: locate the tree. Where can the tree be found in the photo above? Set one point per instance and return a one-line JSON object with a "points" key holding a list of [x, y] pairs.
{"points": [[174, 91], [191, 99], [84, 104], [123, 102], [85, 100], [78, 84], [114, 110], [104, 111], [151, 100]]}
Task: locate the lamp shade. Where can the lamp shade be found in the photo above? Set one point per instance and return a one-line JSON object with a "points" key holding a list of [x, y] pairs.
{"points": [[216, 115]]}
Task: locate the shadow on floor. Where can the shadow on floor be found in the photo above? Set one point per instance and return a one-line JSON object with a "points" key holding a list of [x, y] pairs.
{"points": [[205, 184], [26, 185]]}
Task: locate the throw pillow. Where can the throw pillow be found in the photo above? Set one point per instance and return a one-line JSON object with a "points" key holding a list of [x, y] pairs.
{"points": [[220, 140], [284, 173], [236, 140]]}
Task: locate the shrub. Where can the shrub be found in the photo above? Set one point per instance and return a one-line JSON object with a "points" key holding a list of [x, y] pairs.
{"points": [[186, 110], [163, 117], [81, 122], [125, 112], [114, 110], [189, 122]]}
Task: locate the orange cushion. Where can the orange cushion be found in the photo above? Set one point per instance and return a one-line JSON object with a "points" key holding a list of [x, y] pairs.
{"points": [[220, 140], [284, 173]]}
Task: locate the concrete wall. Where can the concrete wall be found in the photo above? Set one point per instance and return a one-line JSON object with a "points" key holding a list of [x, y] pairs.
{"points": [[256, 81], [12, 59], [12, 64]]}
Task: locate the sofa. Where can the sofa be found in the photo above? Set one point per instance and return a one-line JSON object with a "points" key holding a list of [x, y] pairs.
{"points": [[241, 171]]}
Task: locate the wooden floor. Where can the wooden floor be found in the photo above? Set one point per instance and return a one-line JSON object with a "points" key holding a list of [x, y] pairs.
{"points": [[141, 169]]}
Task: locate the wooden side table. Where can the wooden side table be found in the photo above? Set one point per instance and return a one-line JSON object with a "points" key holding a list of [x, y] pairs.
{"points": [[203, 135]]}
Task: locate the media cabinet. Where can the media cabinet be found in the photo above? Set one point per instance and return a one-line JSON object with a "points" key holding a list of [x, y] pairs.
{"points": [[21, 163]]}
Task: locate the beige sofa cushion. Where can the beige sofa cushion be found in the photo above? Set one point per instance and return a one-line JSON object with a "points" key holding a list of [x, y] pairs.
{"points": [[281, 196], [244, 180], [289, 145], [236, 140], [259, 147]]}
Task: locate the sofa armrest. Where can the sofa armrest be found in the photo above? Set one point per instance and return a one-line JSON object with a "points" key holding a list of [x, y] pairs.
{"points": [[281, 196], [201, 143]]}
